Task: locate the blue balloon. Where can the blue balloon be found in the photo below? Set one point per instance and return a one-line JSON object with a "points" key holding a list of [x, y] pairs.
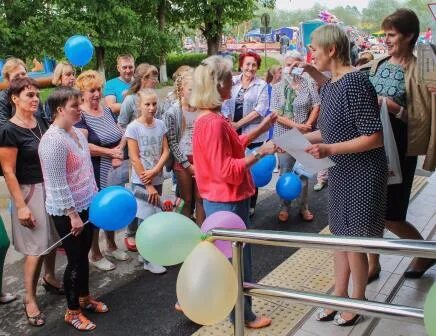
{"points": [[269, 162], [260, 178], [112, 208], [288, 186], [79, 50]]}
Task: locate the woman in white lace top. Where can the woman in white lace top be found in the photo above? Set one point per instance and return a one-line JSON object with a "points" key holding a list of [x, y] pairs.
{"points": [[70, 185]]}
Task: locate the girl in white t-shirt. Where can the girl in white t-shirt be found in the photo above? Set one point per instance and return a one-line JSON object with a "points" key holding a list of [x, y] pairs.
{"points": [[148, 152]]}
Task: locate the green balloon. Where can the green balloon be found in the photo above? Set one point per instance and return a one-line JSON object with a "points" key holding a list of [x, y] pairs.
{"points": [[167, 238], [430, 311]]}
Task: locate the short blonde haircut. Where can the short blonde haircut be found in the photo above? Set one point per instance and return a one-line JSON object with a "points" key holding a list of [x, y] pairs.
{"points": [[11, 64], [125, 57], [331, 35], [210, 74], [59, 71], [89, 79]]}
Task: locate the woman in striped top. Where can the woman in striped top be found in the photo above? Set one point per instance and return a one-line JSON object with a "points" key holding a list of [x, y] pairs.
{"points": [[99, 126]]}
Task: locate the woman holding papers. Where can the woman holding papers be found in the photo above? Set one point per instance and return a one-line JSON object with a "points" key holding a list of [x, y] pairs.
{"points": [[296, 101], [221, 167], [351, 135]]}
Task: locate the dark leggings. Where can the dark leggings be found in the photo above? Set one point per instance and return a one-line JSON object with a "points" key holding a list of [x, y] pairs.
{"points": [[76, 276]]}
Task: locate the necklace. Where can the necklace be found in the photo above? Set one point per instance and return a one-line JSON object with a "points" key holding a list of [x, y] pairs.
{"points": [[30, 128]]}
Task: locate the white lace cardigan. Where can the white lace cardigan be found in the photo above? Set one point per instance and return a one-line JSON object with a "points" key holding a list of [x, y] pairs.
{"points": [[67, 169]]}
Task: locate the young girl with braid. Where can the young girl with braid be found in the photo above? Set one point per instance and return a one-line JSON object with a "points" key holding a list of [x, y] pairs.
{"points": [[180, 121]]}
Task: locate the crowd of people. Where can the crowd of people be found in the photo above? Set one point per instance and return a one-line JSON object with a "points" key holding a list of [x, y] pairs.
{"points": [[90, 135]]}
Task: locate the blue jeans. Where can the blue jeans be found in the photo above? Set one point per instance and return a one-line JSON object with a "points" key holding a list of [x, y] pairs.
{"points": [[240, 208]]}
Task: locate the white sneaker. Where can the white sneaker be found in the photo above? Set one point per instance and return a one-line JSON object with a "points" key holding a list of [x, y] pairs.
{"points": [[103, 264], [153, 268], [118, 254]]}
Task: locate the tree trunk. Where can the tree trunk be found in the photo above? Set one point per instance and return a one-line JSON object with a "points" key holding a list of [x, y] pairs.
{"points": [[213, 43], [161, 12], [99, 54]]}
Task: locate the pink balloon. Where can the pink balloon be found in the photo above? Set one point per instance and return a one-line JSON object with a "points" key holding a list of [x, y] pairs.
{"points": [[223, 220]]}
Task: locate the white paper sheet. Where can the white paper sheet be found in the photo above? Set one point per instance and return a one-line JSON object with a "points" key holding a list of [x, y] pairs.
{"points": [[295, 143]]}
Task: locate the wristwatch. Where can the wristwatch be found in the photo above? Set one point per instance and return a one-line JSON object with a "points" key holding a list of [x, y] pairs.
{"points": [[257, 155]]}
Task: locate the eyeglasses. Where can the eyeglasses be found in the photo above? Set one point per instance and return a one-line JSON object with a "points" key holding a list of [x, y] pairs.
{"points": [[125, 67]]}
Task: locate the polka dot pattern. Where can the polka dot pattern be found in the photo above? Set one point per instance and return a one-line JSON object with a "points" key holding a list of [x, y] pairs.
{"points": [[357, 183]]}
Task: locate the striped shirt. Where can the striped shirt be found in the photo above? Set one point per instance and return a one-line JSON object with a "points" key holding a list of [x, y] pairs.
{"points": [[103, 131]]}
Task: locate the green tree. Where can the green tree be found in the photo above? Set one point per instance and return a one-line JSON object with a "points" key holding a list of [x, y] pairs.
{"points": [[377, 10], [210, 16]]}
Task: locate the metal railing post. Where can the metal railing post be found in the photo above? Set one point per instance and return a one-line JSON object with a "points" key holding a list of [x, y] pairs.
{"points": [[238, 265]]}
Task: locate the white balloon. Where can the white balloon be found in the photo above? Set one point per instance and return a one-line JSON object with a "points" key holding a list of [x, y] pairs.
{"points": [[206, 285]]}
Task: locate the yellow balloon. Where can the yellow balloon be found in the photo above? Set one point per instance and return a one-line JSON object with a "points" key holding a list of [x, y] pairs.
{"points": [[206, 285]]}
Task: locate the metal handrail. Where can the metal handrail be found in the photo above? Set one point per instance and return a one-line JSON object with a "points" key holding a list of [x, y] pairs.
{"points": [[418, 248], [403, 247]]}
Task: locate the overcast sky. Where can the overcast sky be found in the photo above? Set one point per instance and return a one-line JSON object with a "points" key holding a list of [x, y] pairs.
{"points": [[305, 4]]}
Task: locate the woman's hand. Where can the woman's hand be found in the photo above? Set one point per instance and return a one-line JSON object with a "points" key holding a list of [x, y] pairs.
{"points": [[268, 122], [76, 224], [309, 68], [148, 175], [319, 151], [115, 153], [153, 195], [25, 217], [267, 148], [304, 128]]}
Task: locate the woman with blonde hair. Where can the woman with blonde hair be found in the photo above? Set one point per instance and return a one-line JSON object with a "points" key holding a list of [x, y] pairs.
{"points": [[350, 134], [99, 126], [222, 170], [63, 75], [180, 119], [14, 68], [146, 76]]}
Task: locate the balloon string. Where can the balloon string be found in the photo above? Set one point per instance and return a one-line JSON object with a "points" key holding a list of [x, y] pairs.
{"points": [[57, 243]]}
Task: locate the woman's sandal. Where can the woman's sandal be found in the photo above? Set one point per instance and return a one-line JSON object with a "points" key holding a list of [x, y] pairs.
{"points": [[35, 321], [52, 289], [78, 320], [259, 322], [90, 304], [341, 322], [283, 216], [322, 316], [306, 215]]}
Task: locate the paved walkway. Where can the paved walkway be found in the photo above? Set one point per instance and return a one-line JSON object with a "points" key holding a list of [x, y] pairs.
{"points": [[311, 270]]}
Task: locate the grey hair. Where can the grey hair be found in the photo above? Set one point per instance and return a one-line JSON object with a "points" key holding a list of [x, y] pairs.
{"points": [[294, 54]]}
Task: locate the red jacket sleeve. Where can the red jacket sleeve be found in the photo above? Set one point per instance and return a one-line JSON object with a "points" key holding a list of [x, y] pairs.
{"points": [[219, 151]]}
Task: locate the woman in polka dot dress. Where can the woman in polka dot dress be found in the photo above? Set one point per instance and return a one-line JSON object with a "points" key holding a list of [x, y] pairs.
{"points": [[351, 135]]}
